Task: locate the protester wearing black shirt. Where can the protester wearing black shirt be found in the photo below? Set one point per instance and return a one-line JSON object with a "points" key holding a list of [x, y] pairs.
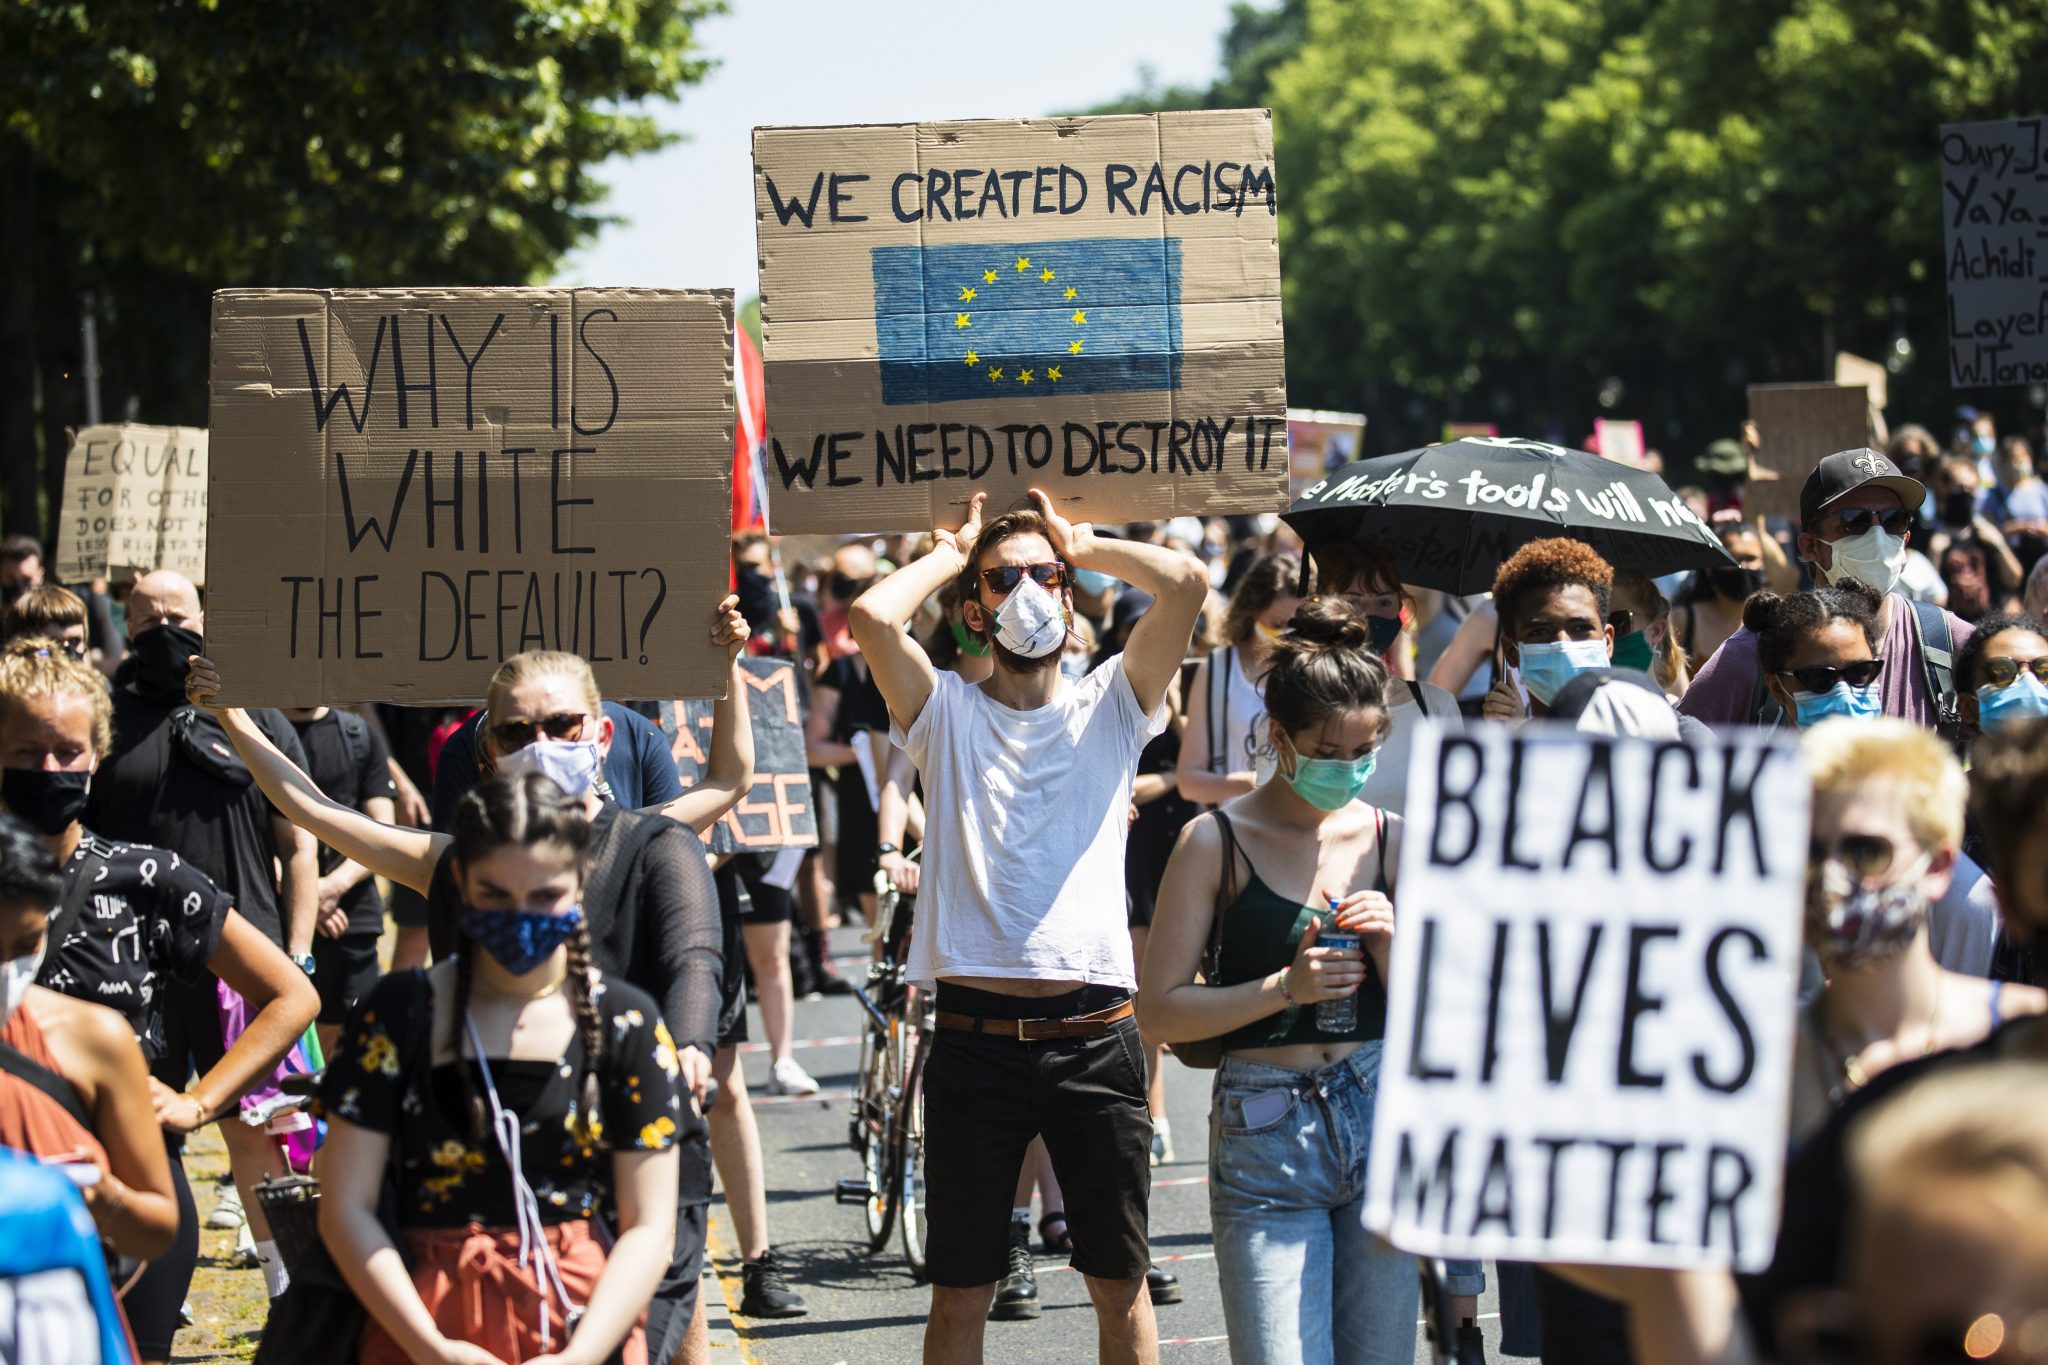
{"points": [[346, 756]]}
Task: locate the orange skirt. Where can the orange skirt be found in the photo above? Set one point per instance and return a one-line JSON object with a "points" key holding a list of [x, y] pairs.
{"points": [[473, 1288]]}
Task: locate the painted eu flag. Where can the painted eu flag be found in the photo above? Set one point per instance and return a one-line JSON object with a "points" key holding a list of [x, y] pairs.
{"points": [[1073, 315]]}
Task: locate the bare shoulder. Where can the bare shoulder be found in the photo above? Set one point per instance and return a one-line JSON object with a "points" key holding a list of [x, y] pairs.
{"points": [[90, 1042]]}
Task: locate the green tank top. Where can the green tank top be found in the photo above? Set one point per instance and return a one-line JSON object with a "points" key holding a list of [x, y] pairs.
{"points": [[1261, 932]]}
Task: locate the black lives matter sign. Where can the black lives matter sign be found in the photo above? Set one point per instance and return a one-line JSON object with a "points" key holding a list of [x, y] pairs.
{"points": [[1590, 1020], [407, 486]]}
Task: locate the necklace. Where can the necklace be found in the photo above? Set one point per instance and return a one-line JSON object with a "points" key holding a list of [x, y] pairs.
{"points": [[1852, 1070]]}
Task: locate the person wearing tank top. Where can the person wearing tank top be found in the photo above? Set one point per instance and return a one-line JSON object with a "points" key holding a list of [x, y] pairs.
{"points": [[1021, 924], [1250, 890], [1222, 752]]}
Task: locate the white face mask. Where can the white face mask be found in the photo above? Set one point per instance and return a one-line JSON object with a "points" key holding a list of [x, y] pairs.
{"points": [[572, 764], [1874, 558], [16, 976], [1031, 622]]}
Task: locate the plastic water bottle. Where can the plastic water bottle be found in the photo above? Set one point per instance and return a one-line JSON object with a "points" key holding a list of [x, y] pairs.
{"points": [[1341, 1015]]}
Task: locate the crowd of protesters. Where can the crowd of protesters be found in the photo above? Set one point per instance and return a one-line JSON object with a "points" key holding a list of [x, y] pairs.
{"points": [[1133, 775]]}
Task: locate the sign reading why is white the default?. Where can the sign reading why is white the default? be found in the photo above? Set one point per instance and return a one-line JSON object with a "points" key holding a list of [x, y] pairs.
{"points": [[1589, 1028]]}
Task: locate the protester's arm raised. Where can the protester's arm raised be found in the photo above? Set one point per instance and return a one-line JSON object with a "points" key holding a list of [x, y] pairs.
{"points": [[1178, 583], [879, 617], [402, 855], [730, 770]]}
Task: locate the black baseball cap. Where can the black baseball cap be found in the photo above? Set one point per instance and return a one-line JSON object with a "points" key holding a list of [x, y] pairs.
{"points": [[1845, 471]]}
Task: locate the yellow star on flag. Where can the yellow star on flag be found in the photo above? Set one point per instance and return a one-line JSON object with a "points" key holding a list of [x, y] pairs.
{"points": [[988, 276], [973, 359], [1052, 372], [961, 320], [1071, 291], [1080, 319], [966, 294], [1074, 349], [1023, 264], [1024, 377], [995, 372], [1046, 274]]}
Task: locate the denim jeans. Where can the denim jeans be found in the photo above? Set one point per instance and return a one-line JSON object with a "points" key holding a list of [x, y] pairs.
{"points": [[1303, 1282]]}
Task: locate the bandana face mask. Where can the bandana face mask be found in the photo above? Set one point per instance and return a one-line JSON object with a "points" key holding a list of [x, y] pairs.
{"points": [[1851, 925], [520, 940]]}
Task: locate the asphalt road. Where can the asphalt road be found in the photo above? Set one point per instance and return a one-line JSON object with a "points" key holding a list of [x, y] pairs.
{"points": [[867, 1307]]}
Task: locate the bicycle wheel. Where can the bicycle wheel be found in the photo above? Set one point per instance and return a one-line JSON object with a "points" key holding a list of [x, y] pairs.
{"points": [[874, 1138], [910, 1160]]}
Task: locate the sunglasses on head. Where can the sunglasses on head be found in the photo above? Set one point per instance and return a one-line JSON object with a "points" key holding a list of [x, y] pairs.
{"points": [[509, 735], [1822, 677], [2002, 672], [1856, 520], [1006, 577]]}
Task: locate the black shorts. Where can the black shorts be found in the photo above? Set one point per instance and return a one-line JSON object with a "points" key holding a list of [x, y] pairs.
{"points": [[732, 983], [986, 1097], [344, 969], [675, 1300], [761, 903], [192, 1045], [408, 907]]}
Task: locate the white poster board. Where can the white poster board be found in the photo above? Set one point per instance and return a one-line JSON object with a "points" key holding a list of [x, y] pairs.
{"points": [[1590, 1019]]}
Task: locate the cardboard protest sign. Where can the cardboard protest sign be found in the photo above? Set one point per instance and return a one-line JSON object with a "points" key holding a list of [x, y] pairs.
{"points": [[1589, 1033], [778, 812], [134, 500], [1994, 199], [1090, 305], [1798, 426], [1854, 369], [1621, 442], [1320, 443], [410, 485]]}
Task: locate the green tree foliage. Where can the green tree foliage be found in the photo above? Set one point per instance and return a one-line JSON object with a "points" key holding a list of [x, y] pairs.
{"points": [[154, 150], [1490, 208]]}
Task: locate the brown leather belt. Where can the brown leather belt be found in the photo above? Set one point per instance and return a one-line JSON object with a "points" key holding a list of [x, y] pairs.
{"points": [[1039, 1030]]}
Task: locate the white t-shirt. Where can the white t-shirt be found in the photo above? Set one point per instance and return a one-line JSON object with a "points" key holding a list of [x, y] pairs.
{"points": [[1963, 925], [1026, 816], [1387, 788], [1237, 715]]}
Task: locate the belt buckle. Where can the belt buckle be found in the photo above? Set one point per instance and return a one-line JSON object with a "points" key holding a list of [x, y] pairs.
{"points": [[1020, 1030]]}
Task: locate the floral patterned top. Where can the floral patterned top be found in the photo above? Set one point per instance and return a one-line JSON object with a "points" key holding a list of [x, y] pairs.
{"points": [[446, 1180]]}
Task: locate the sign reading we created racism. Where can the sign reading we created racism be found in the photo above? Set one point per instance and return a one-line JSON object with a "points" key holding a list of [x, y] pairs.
{"points": [[408, 486], [1589, 1036], [1089, 305]]}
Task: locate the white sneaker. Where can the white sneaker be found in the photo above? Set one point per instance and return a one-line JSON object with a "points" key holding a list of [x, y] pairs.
{"points": [[244, 1255], [788, 1078], [227, 1212], [1162, 1141]]}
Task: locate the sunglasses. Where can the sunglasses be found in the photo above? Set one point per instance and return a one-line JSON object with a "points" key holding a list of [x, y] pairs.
{"points": [[1822, 677], [509, 735], [1863, 855], [1624, 622], [2003, 672], [1856, 520], [1006, 577]]}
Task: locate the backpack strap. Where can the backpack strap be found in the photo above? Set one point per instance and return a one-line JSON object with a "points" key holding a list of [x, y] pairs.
{"points": [[355, 737], [1938, 657], [1221, 661], [24, 1067], [77, 887]]}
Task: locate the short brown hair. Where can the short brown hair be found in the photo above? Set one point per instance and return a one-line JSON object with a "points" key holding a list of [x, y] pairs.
{"points": [[43, 610], [1023, 522], [1360, 566], [1542, 565], [2009, 792]]}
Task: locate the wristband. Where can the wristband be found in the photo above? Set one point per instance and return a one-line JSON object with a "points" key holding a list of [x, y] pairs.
{"points": [[1286, 993]]}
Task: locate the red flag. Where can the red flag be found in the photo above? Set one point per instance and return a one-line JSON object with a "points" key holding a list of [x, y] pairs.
{"points": [[749, 434]]}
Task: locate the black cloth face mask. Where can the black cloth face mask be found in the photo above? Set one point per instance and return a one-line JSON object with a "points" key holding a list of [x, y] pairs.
{"points": [[161, 654], [1735, 582], [49, 802]]}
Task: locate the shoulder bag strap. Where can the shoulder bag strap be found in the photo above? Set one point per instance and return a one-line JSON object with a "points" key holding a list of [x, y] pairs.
{"points": [[1226, 895], [1937, 655], [1379, 825]]}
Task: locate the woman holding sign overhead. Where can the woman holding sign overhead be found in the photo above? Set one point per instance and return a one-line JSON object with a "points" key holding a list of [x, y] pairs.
{"points": [[1251, 892]]}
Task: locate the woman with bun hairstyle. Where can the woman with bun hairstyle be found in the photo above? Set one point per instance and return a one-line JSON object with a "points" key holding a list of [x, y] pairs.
{"points": [[1292, 1114], [1817, 652]]}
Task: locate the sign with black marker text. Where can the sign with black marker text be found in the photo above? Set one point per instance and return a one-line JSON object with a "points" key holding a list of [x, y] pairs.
{"points": [[1994, 218], [134, 500], [1590, 1019]]}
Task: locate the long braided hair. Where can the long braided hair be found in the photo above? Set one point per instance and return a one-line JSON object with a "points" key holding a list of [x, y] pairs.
{"points": [[525, 810]]}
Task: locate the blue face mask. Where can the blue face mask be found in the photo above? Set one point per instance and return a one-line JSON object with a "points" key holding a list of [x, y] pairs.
{"points": [[520, 940], [2022, 699], [1092, 582], [1857, 703], [1546, 668], [1330, 783]]}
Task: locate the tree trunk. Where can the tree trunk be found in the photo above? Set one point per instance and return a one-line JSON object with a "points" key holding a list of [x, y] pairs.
{"points": [[18, 455]]}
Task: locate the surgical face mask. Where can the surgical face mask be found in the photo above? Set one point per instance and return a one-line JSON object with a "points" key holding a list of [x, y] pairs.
{"points": [[49, 801], [16, 976], [1874, 558], [1547, 667], [1633, 651], [520, 940], [1983, 444], [1856, 703], [571, 764], [1382, 631], [1075, 666], [1330, 784], [1031, 623], [1093, 582], [1851, 925], [2024, 698]]}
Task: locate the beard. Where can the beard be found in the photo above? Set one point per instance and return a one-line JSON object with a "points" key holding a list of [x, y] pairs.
{"points": [[1010, 661]]}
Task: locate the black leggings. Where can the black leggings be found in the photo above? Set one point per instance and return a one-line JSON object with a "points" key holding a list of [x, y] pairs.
{"points": [[152, 1305]]}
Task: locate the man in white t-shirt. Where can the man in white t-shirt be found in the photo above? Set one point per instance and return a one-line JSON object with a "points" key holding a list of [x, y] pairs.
{"points": [[1021, 918]]}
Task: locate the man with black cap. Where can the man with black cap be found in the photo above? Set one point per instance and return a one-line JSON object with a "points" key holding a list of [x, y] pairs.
{"points": [[1856, 517]]}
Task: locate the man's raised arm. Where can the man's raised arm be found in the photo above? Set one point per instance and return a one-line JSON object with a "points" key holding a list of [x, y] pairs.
{"points": [[878, 617]]}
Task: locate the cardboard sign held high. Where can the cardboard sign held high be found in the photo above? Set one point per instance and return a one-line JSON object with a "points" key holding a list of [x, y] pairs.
{"points": [[1589, 1033], [1090, 305], [134, 500], [410, 485], [1799, 425]]}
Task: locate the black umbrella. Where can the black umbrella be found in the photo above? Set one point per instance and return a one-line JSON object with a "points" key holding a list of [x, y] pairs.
{"points": [[1453, 513]]}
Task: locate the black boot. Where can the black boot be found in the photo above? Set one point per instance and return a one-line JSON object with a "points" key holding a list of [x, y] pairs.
{"points": [[764, 1293], [1163, 1288], [828, 981], [1017, 1295]]}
